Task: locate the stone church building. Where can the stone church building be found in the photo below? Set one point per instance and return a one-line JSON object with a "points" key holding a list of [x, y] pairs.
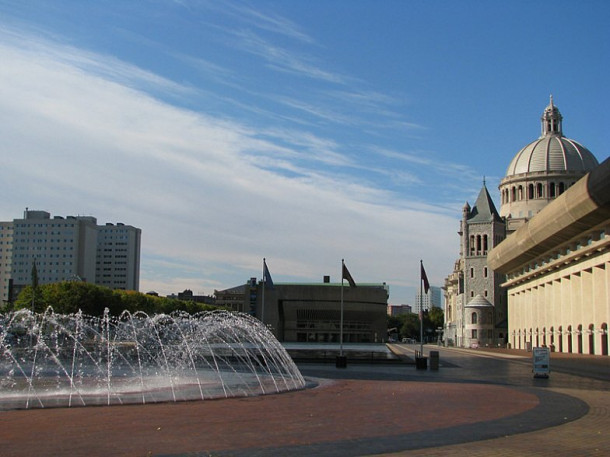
{"points": [[476, 298]]}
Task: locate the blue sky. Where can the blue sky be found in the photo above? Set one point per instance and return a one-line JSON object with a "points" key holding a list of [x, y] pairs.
{"points": [[300, 131]]}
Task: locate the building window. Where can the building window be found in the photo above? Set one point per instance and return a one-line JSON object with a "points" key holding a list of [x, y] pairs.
{"points": [[530, 191], [485, 272], [473, 318], [474, 334], [472, 272], [539, 190]]}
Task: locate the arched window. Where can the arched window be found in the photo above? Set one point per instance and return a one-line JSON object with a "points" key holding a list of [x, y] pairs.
{"points": [[552, 190], [530, 191], [473, 318], [560, 338], [591, 339], [485, 244], [520, 193], [580, 339], [562, 188], [472, 245], [478, 244], [514, 194], [539, 190]]}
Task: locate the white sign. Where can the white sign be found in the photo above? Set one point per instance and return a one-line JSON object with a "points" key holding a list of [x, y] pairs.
{"points": [[541, 360]]}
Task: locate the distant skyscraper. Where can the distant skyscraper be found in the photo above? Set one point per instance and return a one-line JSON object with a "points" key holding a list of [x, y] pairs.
{"points": [[70, 248], [430, 300]]}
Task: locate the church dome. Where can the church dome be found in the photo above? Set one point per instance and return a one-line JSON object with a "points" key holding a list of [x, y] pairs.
{"points": [[542, 171], [552, 152]]}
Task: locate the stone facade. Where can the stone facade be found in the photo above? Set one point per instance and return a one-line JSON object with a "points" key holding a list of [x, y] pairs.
{"points": [[475, 305]]}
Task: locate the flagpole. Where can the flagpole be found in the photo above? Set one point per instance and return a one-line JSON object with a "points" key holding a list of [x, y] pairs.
{"points": [[421, 310], [341, 321], [263, 297]]}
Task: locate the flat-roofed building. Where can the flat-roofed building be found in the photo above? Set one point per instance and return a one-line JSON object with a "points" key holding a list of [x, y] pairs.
{"points": [[67, 248], [311, 312]]}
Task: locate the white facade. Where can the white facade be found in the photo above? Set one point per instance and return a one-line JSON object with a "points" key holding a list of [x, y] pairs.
{"points": [[118, 256], [65, 249], [558, 275]]}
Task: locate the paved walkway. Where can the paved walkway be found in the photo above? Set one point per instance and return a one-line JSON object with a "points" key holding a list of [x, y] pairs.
{"points": [[475, 403]]}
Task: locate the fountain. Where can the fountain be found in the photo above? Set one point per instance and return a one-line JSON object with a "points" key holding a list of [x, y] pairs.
{"points": [[58, 360]]}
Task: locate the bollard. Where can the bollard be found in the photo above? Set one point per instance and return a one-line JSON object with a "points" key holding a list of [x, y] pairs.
{"points": [[421, 363], [434, 358]]}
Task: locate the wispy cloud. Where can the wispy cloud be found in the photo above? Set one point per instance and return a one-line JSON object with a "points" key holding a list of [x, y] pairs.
{"points": [[282, 59], [87, 136], [267, 21]]}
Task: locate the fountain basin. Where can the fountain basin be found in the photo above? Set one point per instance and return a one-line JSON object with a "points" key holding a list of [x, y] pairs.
{"points": [[57, 360]]}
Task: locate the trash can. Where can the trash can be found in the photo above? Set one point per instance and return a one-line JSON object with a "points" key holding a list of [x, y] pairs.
{"points": [[341, 361], [421, 363], [434, 360]]}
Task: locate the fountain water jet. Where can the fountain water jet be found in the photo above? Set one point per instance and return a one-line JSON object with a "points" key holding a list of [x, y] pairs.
{"points": [[61, 360]]}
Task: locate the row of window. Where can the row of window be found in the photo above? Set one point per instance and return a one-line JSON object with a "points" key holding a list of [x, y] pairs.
{"points": [[474, 334], [472, 272], [539, 190]]}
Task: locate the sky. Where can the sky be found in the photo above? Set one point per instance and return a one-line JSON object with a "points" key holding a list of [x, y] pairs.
{"points": [[303, 132]]}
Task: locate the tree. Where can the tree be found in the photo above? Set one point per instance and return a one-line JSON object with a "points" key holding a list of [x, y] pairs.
{"points": [[69, 297], [437, 317]]}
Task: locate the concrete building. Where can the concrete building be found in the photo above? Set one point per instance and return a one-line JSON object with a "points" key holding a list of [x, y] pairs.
{"points": [[118, 256], [306, 312], [557, 269], [67, 248], [399, 310], [476, 310]]}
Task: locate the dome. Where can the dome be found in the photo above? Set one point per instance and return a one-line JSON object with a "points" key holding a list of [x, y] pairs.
{"points": [[552, 152]]}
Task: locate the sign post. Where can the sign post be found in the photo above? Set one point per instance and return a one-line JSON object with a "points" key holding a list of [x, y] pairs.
{"points": [[541, 360]]}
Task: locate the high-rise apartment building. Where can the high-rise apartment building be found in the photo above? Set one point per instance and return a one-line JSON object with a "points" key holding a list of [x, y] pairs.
{"points": [[67, 248]]}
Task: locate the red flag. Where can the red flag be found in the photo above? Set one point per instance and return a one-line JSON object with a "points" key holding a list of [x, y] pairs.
{"points": [[348, 276], [424, 278]]}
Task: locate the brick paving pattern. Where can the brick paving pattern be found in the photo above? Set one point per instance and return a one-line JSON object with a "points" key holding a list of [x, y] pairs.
{"points": [[471, 406]]}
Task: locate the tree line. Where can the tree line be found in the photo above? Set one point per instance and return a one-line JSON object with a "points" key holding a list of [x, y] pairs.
{"points": [[407, 325], [71, 296]]}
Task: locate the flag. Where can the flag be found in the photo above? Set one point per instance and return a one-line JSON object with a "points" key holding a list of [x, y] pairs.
{"points": [[424, 278], [267, 276], [347, 276]]}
